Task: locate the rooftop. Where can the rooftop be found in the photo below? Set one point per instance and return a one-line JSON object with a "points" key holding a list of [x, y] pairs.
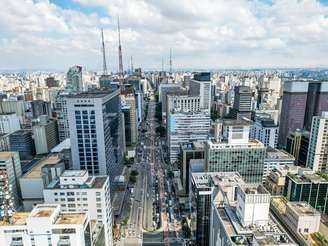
{"points": [[273, 153], [271, 234], [93, 94], [303, 208], [254, 189], [74, 173], [66, 144], [6, 155], [18, 218], [71, 218], [43, 210], [93, 182], [35, 172]]}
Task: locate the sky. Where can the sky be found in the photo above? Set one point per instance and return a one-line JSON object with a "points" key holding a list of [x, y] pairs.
{"points": [[206, 34]]}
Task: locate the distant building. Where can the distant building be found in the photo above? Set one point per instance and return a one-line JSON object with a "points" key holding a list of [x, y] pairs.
{"points": [[40, 107], [76, 191], [4, 142], [96, 132], [201, 86], [242, 105], [45, 134], [317, 156], [14, 106], [51, 82], [275, 181], [128, 99], [46, 224], [74, 80], [301, 101], [105, 81], [10, 166], [9, 123], [233, 151], [265, 130], [22, 142]]}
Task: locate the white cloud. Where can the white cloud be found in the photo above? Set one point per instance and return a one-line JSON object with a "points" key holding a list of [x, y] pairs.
{"points": [[202, 34]]}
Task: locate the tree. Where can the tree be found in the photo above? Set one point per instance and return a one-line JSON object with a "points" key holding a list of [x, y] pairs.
{"points": [[170, 174], [158, 112], [133, 179], [134, 173]]}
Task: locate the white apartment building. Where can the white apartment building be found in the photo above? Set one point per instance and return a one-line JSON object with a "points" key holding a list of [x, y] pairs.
{"points": [[318, 145], [46, 225], [76, 191], [9, 123], [266, 131], [183, 103], [10, 170], [186, 127], [203, 90]]}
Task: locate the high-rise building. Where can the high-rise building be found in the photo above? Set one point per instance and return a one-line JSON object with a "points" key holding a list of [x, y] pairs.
{"points": [[51, 82], [317, 156], [74, 80], [40, 107], [189, 151], [265, 130], [242, 104], [76, 191], [95, 131], [183, 103], [201, 86], [9, 123], [301, 101], [293, 143], [128, 99], [186, 127], [45, 133], [61, 116], [22, 142], [233, 151], [46, 224], [10, 167]]}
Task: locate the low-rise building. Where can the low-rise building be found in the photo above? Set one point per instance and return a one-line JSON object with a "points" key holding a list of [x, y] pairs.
{"points": [[46, 225]]}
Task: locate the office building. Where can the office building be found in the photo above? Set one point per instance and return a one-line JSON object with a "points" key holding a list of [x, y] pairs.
{"points": [[61, 116], [22, 142], [96, 132], [293, 144], [105, 81], [10, 170], [45, 133], [189, 151], [276, 158], [186, 127], [63, 150], [307, 186], [39, 177], [201, 86], [9, 123], [317, 156], [242, 104], [46, 224], [40, 107], [18, 107], [265, 130], [183, 103], [76, 191], [232, 151], [128, 99], [74, 79], [301, 101]]}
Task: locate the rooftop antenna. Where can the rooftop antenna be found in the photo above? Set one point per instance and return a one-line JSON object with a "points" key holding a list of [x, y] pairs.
{"points": [[170, 61], [103, 53], [131, 64], [120, 62]]}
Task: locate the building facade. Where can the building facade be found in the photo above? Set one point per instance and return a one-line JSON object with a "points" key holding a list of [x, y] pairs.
{"points": [[9, 123], [22, 142]]}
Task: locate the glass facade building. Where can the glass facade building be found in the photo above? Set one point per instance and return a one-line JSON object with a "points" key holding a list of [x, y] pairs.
{"points": [[311, 188]]}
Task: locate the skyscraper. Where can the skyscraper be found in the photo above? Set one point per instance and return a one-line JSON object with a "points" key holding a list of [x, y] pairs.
{"points": [[61, 116], [74, 80], [95, 132], [318, 145], [301, 101]]}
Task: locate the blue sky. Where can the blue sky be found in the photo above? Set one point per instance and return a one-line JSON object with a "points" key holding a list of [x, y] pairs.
{"points": [[56, 34]]}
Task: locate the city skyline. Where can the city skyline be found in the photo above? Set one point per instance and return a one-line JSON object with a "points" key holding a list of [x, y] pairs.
{"points": [[56, 34]]}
